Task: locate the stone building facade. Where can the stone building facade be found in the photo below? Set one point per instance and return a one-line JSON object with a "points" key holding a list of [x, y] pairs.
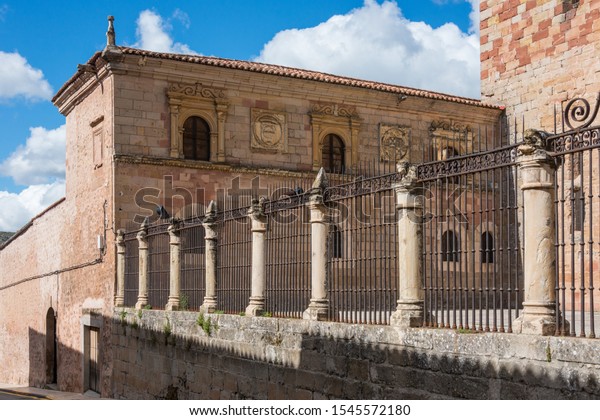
{"points": [[129, 115], [147, 129]]}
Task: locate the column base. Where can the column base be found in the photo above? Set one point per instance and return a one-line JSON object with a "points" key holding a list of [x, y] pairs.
{"points": [[318, 310], [256, 306], [142, 302], [172, 304], [209, 305], [408, 315], [119, 301], [537, 319]]}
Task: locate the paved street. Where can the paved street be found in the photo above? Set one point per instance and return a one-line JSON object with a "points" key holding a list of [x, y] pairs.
{"points": [[9, 395], [21, 392]]}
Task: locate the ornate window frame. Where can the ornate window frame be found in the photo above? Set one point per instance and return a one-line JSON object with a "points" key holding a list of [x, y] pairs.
{"points": [[189, 100], [450, 134], [336, 119]]}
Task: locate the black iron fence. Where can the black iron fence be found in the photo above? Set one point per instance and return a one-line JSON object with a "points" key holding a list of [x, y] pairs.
{"points": [[192, 263], [234, 260], [577, 205], [158, 264], [363, 250], [131, 268], [472, 246]]}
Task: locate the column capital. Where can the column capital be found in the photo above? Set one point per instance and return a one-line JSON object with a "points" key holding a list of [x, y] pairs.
{"points": [[534, 147], [257, 216], [535, 163], [209, 222], [142, 237], [120, 237], [174, 232], [408, 177]]}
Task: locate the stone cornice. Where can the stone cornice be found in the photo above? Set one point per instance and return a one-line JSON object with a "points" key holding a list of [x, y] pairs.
{"points": [[217, 167]]}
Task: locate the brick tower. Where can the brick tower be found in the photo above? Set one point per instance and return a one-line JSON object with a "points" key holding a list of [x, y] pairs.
{"points": [[537, 53]]}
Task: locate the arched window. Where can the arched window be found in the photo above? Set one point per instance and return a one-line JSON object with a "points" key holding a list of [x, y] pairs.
{"points": [[196, 139], [335, 242], [487, 247], [450, 246], [333, 154]]}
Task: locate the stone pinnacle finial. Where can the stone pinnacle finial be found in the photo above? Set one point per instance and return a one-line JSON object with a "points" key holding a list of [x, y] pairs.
{"points": [[111, 50], [110, 33], [321, 182]]}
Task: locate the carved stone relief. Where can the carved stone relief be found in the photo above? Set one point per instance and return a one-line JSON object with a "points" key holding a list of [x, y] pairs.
{"points": [[334, 110], [269, 131], [393, 142], [195, 90]]}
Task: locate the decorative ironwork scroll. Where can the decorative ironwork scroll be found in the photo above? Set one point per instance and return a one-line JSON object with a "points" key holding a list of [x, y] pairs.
{"points": [[468, 164], [575, 140], [578, 113], [232, 214], [285, 202], [362, 186]]}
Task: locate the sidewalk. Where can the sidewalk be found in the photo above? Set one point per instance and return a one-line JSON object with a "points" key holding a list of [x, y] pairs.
{"points": [[46, 394]]}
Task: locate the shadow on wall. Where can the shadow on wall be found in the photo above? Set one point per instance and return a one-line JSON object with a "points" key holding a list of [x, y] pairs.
{"points": [[54, 364], [168, 355]]}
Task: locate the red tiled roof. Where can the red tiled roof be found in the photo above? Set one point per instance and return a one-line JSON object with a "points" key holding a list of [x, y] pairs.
{"points": [[305, 75]]}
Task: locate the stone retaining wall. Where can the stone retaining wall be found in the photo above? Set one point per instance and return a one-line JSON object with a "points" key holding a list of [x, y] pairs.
{"points": [[168, 355]]}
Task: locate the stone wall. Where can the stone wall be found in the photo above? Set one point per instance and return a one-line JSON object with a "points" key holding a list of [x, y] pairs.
{"points": [[167, 355], [53, 263]]}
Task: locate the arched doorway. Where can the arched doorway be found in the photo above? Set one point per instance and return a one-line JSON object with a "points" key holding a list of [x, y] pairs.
{"points": [[51, 347]]}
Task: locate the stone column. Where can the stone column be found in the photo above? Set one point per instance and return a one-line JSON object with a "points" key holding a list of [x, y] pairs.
{"points": [[120, 295], [409, 206], [221, 116], [318, 309], [539, 255], [210, 240], [174, 105], [259, 228], [143, 266], [175, 265]]}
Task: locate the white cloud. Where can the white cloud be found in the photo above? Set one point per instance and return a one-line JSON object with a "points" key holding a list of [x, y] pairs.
{"points": [[18, 209], [376, 42], [153, 33], [182, 17], [474, 16], [40, 160], [19, 79]]}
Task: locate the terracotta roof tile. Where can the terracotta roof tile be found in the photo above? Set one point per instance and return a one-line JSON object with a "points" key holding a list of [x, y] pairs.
{"points": [[304, 74], [293, 73]]}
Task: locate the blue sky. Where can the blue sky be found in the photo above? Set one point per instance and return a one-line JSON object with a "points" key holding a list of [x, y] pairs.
{"points": [[428, 44]]}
